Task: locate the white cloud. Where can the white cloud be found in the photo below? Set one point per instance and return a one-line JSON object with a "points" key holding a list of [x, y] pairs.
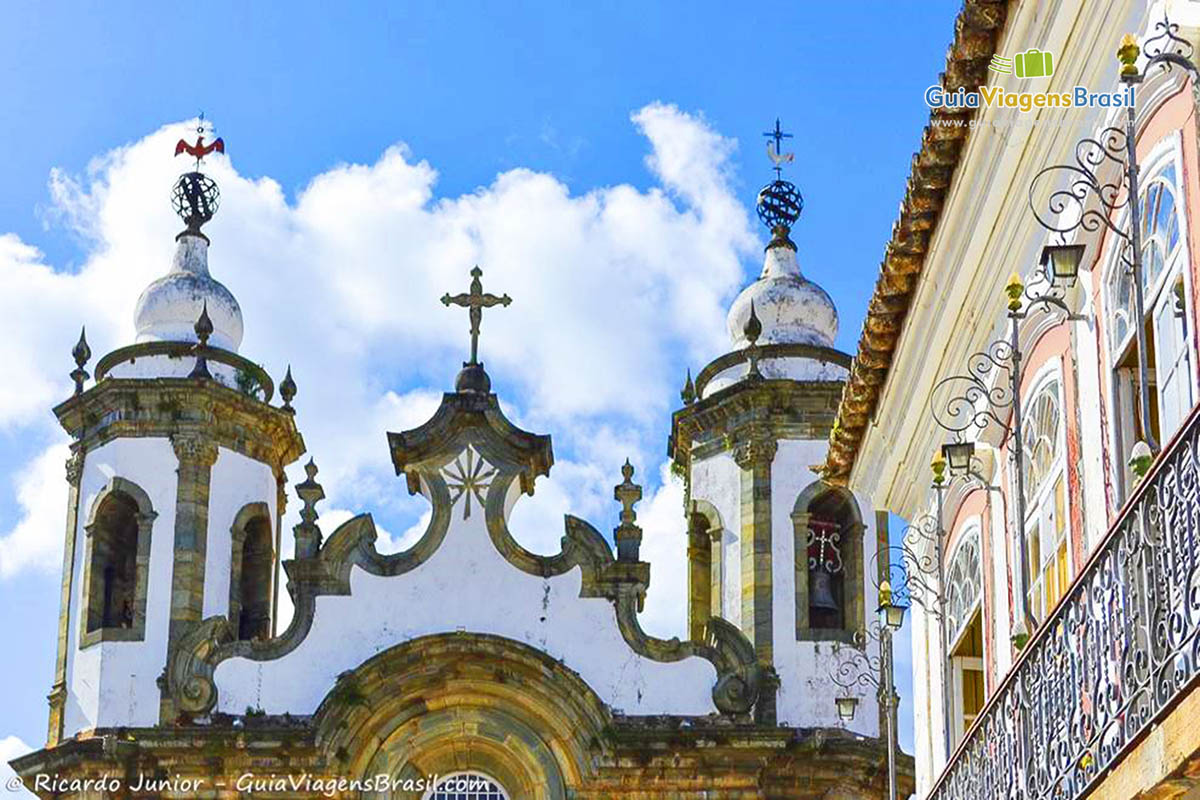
{"points": [[614, 292], [11, 747], [664, 545], [36, 540]]}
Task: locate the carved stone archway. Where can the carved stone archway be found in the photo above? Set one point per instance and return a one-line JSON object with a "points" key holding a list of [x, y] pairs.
{"points": [[465, 702]]}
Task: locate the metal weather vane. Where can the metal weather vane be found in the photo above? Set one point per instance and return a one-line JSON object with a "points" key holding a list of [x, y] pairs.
{"points": [[475, 300], [775, 149], [199, 150], [779, 203]]}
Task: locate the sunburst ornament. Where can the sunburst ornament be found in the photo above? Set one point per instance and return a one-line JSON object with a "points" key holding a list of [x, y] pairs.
{"points": [[467, 475]]}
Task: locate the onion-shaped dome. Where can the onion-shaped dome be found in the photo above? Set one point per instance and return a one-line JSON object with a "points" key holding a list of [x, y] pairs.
{"points": [[169, 307], [791, 308]]}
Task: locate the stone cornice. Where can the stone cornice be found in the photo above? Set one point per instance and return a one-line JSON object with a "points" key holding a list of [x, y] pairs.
{"points": [[976, 32], [181, 409], [786, 409]]}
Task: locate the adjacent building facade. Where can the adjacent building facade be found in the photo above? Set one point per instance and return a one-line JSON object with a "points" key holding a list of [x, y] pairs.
{"points": [[1038, 428]]}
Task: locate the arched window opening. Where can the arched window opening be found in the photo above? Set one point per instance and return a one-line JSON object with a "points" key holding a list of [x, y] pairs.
{"points": [[828, 563], [112, 590], [253, 564], [964, 613], [1046, 513], [466, 786], [964, 582], [1166, 321]]}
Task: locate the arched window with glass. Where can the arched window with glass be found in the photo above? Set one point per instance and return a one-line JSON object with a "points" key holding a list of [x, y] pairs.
{"points": [[964, 627], [1166, 317], [1046, 511]]}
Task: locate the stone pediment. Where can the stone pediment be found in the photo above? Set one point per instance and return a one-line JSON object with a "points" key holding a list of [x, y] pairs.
{"points": [[467, 574], [473, 417]]}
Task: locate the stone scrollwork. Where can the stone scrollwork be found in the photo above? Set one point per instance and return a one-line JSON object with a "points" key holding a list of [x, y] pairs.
{"points": [[190, 672], [471, 433]]}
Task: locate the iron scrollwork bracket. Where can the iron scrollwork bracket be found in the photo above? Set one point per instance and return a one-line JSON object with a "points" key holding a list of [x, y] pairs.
{"points": [[978, 397], [1090, 199]]}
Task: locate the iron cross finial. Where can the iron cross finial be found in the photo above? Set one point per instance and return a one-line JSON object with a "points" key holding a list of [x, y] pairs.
{"points": [[775, 149], [475, 301]]}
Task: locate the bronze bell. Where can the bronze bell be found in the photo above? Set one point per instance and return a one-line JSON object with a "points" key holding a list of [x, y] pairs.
{"points": [[821, 591]]}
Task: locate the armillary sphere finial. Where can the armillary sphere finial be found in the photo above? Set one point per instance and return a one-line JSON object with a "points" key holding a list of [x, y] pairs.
{"points": [[779, 202]]}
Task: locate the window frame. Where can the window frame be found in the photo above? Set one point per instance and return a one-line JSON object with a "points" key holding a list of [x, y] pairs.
{"points": [[970, 534], [1040, 499], [145, 517], [1123, 404]]}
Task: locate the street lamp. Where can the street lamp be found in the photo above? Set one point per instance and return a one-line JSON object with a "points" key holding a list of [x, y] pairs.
{"points": [[985, 400], [958, 455], [860, 669], [891, 615], [1061, 262], [846, 706]]}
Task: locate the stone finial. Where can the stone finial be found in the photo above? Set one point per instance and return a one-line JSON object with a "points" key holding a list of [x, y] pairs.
{"points": [[308, 533], [287, 390], [628, 535], [752, 329], [81, 353], [204, 329], [689, 390]]}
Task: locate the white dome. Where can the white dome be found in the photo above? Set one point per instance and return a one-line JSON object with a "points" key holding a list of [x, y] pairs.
{"points": [[790, 308], [169, 307]]}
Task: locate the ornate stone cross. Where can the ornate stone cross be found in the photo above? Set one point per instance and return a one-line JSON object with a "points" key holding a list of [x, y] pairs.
{"points": [[476, 301]]}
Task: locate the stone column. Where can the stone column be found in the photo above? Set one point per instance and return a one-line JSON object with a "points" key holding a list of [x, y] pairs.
{"points": [[196, 453], [754, 455], [800, 568], [58, 690]]}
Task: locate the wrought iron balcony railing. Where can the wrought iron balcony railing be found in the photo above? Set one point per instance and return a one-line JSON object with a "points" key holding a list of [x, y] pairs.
{"points": [[1114, 656]]}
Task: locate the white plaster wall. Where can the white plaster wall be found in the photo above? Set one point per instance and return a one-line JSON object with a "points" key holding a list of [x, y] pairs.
{"points": [[1091, 429], [806, 692], [927, 722], [999, 605], [236, 481], [717, 479], [113, 683], [466, 585]]}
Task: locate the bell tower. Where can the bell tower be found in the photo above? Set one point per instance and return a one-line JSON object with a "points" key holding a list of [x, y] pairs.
{"points": [[175, 487], [772, 548]]}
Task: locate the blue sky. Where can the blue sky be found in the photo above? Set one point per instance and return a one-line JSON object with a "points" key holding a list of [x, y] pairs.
{"points": [[623, 128]]}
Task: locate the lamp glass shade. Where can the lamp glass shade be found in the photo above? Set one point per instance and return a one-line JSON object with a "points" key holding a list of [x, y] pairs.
{"points": [[958, 455], [846, 707], [1061, 262], [892, 616]]}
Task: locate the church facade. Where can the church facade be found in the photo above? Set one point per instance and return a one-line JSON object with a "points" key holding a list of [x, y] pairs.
{"points": [[465, 666]]}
